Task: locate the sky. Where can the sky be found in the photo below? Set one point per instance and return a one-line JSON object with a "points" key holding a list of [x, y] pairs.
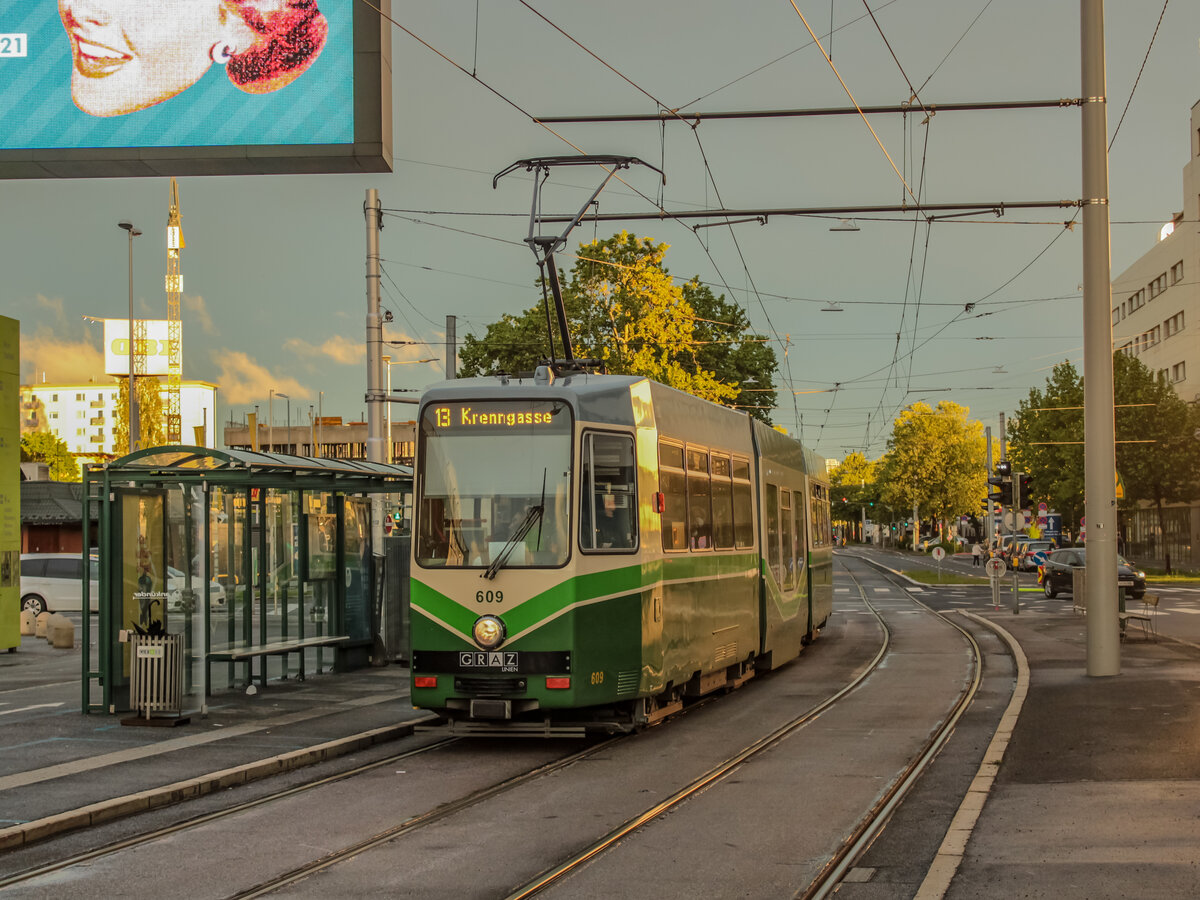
{"points": [[274, 269]]}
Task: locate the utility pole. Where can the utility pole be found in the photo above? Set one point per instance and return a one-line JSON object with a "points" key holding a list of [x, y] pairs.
{"points": [[991, 517], [451, 347], [375, 398], [1099, 428]]}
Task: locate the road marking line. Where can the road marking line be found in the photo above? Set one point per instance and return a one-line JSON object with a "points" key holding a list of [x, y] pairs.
{"points": [[9, 712]]}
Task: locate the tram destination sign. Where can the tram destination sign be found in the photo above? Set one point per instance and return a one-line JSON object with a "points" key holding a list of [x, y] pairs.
{"points": [[496, 416]]}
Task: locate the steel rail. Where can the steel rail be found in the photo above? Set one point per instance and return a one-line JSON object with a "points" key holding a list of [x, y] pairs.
{"points": [[878, 816], [204, 818], [548, 877], [420, 821]]}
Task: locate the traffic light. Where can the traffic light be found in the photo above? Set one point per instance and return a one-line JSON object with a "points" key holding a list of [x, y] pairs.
{"points": [[1025, 488], [1002, 481]]}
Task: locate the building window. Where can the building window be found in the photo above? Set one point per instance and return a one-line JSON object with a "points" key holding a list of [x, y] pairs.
{"points": [[1158, 285], [54, 398], [1178, 372], [1174, 325], [1137, 300], [1116, 314], [54, 415], [1177, 272], [1155, 334], [79, 397], [1127, 349]]}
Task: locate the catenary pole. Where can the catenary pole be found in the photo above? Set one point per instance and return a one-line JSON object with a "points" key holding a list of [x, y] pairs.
{"points": [[375, 398], [1099, 429]]}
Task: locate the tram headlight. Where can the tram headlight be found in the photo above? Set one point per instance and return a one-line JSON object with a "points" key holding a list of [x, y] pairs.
{"points": [[488, 632]]}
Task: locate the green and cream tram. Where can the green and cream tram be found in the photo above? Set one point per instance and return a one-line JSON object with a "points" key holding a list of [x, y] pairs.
{"points": [[590, 549]]}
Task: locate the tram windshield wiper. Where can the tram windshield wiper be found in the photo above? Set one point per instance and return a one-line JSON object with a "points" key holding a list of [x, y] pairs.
{"points": [[532, 517]]}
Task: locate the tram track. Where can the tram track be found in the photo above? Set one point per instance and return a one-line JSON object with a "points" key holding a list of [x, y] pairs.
{"points": [[209, 817], [548, 877], [869, 827], [866, 829]]}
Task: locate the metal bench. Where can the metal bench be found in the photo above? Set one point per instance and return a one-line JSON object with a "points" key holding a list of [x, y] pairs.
{"points": [[279, 648]]}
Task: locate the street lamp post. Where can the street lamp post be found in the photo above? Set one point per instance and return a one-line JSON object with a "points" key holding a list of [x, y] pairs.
{"points": [[287, 441], [134, 420], [389, 455]]}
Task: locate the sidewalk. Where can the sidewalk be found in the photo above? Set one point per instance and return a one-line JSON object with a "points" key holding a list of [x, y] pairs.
{"points": [[52, 757]]}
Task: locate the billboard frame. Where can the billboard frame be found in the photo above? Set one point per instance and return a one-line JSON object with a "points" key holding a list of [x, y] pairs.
{"points": [[371, 150]]}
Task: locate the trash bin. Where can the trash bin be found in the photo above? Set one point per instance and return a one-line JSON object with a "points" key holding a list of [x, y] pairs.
{"points": [[156, 674]]}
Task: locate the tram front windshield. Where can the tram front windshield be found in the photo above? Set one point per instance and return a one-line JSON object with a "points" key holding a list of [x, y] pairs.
{"points": [[494, 484]]}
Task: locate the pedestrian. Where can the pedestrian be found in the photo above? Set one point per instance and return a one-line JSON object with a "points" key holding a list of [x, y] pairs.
{"points": [[976, 554]]}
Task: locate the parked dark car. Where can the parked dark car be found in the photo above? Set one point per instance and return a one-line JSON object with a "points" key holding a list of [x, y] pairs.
{"points": [[1055, 573]]}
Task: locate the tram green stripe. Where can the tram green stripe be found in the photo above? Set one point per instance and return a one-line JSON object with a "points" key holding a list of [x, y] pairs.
{"points": [[582, 588]]}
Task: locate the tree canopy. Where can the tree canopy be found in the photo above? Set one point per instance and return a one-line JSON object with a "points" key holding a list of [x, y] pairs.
{"points": [[151, 416], [1158, 456], [936, 462], [624, 308], [44, 446]]}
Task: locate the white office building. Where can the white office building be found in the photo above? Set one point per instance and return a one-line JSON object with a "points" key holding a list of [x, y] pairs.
{"points": [[1156, 318], [84, 416], [1156, 301]]}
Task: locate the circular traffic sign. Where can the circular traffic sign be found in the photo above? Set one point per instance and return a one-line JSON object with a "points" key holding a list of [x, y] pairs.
{"points": [[939, 553], [995, 567], [1042, 507]]}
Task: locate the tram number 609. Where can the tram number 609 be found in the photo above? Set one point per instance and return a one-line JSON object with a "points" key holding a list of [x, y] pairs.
{"points": [[597, 678], [489, 596]]}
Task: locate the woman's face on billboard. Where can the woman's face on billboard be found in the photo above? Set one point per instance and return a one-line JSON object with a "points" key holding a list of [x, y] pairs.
{"points": [[130, 54]]}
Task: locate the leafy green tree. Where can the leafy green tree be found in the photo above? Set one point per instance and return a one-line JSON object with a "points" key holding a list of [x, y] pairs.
{"points": [[44, 446], [854, 489], [151, 415], [623, 308], [1046, 443], [935, 463], [1158, 456]]}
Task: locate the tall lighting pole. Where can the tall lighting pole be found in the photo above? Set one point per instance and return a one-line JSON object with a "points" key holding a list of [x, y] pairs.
{"points": [[287, 441], [134, 420]]}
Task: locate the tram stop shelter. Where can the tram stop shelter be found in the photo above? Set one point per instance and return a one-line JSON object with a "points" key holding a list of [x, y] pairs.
{"points": [[239, 566]]}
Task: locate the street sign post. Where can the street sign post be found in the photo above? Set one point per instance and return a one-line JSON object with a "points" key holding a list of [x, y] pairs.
{"points": [[939, 554]]}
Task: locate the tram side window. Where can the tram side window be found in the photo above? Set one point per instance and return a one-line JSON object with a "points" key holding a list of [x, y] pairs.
{"points": [[673, 484], [608, 493], [800, 553], [743, 505], [699, 500], [821, 533], [789, 548], [722, 503], [774, 559]]}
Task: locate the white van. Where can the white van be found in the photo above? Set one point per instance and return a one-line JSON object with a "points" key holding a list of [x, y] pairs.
{"points": [[54, 582]]}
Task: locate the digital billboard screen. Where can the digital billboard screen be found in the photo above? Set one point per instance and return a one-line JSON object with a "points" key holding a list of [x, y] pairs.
{"points": [[128, 87]]}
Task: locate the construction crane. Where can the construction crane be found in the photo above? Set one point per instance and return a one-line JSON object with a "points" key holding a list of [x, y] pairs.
{"points": [[174, 323]]}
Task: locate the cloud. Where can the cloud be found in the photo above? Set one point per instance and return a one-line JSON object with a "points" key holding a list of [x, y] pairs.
{"points": [[55, 305], [243, 380], [340, 349], [54, 359], [195, 311]]}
